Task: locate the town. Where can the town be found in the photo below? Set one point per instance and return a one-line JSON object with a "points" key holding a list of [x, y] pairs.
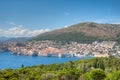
{"points": [[60, 49]]}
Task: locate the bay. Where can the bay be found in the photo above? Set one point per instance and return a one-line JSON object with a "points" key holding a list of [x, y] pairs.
{"points": [[9, 60]]}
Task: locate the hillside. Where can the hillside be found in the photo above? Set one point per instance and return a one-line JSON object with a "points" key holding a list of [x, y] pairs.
{"points": [[83, 32], [91, 69]]}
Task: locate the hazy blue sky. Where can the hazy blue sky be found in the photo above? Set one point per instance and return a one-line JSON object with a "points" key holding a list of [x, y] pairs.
{"points": [[44, 15]]}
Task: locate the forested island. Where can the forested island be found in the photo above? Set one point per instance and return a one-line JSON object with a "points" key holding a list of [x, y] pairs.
{"points": [[91, 69]]}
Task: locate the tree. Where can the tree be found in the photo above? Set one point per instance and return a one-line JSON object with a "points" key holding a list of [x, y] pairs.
{"points": [[86, 76], [22, 66], [98, 63], [115, 75], [10, 74], [97, 74]]}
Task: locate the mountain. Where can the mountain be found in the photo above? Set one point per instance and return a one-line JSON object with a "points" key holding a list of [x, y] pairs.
{"points": [[14, 39], [2, 38], [83, 32], [18, 39]]}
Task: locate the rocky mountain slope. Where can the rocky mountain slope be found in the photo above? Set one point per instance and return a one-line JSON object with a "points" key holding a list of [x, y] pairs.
{"points": [[83, 32]]}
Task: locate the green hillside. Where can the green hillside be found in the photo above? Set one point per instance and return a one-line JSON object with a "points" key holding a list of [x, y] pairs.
{"points": [[83, 32], [67, 37], [91, 69]]}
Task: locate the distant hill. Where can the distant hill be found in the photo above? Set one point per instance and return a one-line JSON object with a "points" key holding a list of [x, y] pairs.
{"points": [[13, 39], [18, 39], [83, 32], [2, 38]]}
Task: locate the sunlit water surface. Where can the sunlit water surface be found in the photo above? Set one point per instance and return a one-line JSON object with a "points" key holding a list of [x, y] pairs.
{"points": [[9, 60]]}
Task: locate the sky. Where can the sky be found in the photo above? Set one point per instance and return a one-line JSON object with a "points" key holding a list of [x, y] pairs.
{"points": [[25, 18]]}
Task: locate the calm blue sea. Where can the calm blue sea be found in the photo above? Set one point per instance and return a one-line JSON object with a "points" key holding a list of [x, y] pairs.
{"points": [[9, 60]]}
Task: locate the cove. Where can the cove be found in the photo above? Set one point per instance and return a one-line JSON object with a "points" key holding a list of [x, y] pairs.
{"points": [[9, 60]]}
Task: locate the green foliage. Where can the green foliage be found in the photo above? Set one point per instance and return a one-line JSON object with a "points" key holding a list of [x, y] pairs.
{"points": [[69, 74], [87, 76], [115, 75], [97, 74], [48, 76], [68, 37], [91, 69], [98, 63], [9, 74]]}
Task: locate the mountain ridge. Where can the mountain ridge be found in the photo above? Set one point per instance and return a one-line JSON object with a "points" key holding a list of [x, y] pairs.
{"points": [[13, 39], [87, 31]]}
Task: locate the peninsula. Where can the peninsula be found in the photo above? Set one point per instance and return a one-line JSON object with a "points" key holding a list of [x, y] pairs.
{"points": [[72, 49]]}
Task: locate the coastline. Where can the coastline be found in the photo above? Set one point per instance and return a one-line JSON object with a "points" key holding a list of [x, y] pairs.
{"points": [[9, 60], [72, 49]]}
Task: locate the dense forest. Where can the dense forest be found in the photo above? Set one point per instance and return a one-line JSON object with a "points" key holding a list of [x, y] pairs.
{"points": [[90, 69]]}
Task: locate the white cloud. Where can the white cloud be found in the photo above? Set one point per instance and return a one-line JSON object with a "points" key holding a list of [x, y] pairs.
{"points": [[20, 31], [36, 32], [65, 26]]}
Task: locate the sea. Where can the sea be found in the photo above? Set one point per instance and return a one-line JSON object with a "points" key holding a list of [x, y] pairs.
{"points": [[10, 60]]}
